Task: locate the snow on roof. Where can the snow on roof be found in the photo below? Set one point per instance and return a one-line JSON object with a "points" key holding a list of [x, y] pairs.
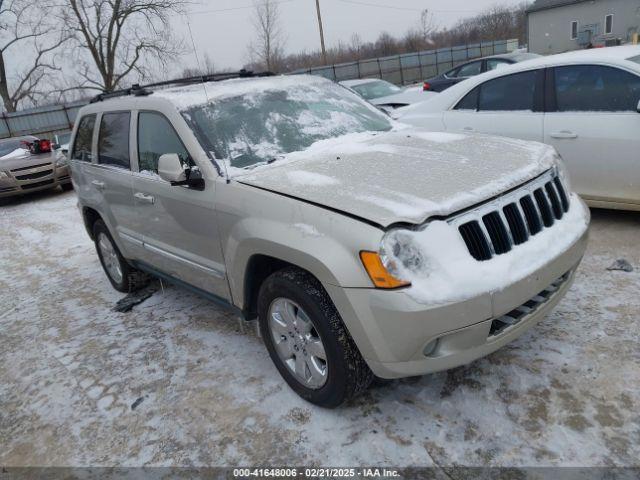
{"points": [[197, 94]]}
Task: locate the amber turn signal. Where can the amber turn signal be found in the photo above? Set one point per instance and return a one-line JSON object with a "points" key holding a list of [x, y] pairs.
{"points": [[379, 275]]}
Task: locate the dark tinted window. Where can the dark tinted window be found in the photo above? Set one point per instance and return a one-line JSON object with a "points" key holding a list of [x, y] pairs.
{"points": [[113, 140], [470, 101], [592, 88], [84, 138], [156, 136], [469, 70], [512, 92]]}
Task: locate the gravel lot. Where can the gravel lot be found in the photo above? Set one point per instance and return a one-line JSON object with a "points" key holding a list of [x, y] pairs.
{"points": [[176, 382]]}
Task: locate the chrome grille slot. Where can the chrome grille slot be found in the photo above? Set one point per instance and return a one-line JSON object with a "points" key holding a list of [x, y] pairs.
{"points": [[511, 219], [31, 176]]}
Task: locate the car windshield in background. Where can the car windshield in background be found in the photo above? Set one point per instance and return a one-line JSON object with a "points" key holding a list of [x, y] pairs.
{"points": [[635, 59], [258, 127], [376, 89], [10, 146]]}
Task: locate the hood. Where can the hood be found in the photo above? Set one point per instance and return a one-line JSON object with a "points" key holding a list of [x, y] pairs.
{"points": [[404, 175], [408, 96], [11, 162]]}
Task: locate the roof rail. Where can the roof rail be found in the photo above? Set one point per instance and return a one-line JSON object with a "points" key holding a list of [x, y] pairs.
{"points": [[143, 90]]}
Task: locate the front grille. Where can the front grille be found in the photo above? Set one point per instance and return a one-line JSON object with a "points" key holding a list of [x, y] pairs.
{"points": [[36, 184], [511, 219], [499, 325], [21, 169], [31, 176]]}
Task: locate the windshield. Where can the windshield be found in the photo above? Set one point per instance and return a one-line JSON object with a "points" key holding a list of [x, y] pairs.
{"points": [[10, 146], [376, 89], [251, 129], [634, 59]]}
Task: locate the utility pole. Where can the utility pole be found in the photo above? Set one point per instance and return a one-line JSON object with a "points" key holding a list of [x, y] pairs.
{"points": [[324, 51]]}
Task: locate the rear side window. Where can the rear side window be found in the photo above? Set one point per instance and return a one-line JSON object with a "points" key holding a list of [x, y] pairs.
{"points": [[511, 92], [156, 137], [84, 139], [470, 69], [470, 101], [594, 88], [113, 140]]}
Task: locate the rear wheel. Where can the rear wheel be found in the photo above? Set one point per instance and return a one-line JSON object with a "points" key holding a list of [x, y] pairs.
{"points": [[308, 341], [122, 276]]}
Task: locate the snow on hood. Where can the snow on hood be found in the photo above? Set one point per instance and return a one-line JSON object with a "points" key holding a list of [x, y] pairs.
{"points": [[17, 153], [405, 175], [436, 261]]}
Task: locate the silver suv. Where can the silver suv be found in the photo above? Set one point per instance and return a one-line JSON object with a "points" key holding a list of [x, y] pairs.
{"points": [[364, 247]]}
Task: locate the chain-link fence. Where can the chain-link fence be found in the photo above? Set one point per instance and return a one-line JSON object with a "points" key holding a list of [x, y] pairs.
{"points": [[399, 69], [412, 67]]}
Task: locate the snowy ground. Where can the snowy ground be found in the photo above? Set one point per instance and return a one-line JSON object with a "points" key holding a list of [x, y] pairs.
{"points": [[205, 393]]}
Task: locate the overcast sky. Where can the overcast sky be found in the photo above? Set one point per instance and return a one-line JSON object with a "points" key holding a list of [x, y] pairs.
{"points": [[222, 28]]}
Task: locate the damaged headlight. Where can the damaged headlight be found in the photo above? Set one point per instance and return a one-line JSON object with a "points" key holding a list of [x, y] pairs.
{"points": [[398, 258]]}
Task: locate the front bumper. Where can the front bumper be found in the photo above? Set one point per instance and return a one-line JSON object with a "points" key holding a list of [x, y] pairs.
{"points": [[399, 337], [34, 179]]}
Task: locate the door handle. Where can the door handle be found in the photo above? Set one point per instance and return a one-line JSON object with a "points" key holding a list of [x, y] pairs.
{"points": [[98, 184], [564, 134], [144, 197]]}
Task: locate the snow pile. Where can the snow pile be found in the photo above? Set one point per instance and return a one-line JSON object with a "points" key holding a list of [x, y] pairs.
{"points": [[437, 262]]}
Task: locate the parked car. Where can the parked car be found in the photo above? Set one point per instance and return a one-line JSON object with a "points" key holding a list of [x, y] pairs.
{"points": [[473, 68], [386, 95], [583, 103], [362, 247], [27, 164]]}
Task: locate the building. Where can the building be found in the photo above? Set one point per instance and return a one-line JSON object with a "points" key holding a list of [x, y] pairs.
{"points": [[555, 26]]}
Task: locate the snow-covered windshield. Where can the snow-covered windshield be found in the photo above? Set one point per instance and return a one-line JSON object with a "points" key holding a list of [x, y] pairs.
{"points": [[376, 89], [258, 127]]}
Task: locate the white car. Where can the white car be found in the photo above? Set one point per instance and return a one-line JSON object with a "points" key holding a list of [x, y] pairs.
{"points": [[387, 95], [585, 103]]}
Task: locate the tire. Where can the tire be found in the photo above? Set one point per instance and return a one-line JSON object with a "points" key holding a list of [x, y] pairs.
{"points": [[346, 374], [129, 279], [66, 187]]}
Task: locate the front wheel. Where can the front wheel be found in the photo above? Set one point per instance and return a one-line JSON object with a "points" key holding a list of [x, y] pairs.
{"points": [[307, 340], [122, 276]]}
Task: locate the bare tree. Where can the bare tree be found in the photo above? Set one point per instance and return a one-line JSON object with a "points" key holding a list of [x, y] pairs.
{"points": [[267, 48], [208, 68], [121, 37], [28, 44], [427, 27]]}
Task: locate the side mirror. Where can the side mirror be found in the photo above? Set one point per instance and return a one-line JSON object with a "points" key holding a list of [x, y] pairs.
{"points": [[170, 168]]}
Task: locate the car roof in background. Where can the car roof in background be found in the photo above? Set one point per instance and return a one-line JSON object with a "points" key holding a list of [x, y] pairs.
{"points": [[25, 138]]}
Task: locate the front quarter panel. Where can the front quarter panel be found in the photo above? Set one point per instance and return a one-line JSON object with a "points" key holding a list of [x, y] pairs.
{"points": [[324, 242]]}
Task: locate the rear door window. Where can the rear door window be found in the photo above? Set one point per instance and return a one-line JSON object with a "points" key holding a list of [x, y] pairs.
{"points": [[84, 139], [470, 69], [512, 92], [595, 88], [156, 136], [469, 101], [113, 140]]}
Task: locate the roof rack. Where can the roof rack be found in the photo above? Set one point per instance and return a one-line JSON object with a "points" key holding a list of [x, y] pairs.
{"points": [[143, 90]]}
